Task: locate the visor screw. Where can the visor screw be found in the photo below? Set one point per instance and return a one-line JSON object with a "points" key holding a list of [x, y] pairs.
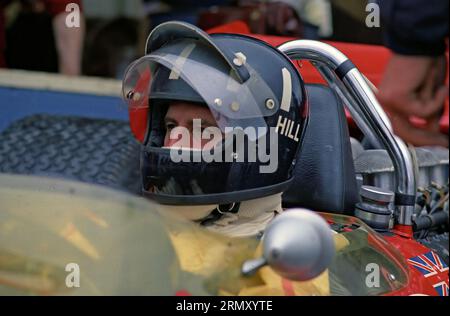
{"points": [[240, 59], [135, 96], [270, 104], [235, 106], [130, 95], [218, 102]]}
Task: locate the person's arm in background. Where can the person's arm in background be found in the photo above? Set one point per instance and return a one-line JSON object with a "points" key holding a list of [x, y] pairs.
{"points": [[69, 41], [3, 4], [414, 80], [314, 12]]}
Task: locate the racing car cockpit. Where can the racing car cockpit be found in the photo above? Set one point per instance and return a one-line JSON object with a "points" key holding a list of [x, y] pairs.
{"points": [[60, 237]]}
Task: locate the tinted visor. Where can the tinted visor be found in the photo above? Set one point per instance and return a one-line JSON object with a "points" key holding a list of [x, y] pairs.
{"points": [[232, 103]]}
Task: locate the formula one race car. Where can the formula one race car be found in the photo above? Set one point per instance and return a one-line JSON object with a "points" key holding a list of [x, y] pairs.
{"points": [[68, 228]]}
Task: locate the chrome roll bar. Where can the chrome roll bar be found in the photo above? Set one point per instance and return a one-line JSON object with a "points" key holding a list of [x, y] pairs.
{"points": [[352, 87]]}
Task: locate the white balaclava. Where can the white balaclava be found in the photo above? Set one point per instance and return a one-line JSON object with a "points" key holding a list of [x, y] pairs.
{"points": [[250, 220]]}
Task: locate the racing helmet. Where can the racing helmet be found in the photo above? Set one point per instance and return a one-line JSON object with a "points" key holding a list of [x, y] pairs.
{"points": [[256, 96]]}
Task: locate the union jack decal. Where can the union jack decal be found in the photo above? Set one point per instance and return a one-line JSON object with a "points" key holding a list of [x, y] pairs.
{"points": [[428, 264], [441, 288]]}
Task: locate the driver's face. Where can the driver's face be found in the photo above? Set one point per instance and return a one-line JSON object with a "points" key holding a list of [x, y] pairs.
{"points": [[181, 115]]}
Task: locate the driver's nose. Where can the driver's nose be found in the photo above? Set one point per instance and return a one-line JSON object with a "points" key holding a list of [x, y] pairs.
{"points": [[178, 137], [182, 137]]}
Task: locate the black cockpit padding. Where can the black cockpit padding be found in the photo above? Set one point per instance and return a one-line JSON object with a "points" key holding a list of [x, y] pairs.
{"points": [[324, 174]]}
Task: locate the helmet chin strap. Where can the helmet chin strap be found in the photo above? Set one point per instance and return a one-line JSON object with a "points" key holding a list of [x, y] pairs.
{"points": [[241, 219], [250, 220], [218, 213]]}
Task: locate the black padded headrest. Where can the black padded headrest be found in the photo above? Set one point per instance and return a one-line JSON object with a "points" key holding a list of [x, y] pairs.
{"points": [[324, 174]]}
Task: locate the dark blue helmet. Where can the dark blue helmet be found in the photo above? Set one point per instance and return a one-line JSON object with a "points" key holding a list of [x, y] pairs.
{"points": [[256, 97]]}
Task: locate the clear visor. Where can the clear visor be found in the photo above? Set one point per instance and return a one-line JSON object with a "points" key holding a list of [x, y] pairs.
{"points": [[233, 104]]}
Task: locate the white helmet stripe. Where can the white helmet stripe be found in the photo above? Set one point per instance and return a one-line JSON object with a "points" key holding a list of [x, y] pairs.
{"points": [[287, 90], [179, 63]]}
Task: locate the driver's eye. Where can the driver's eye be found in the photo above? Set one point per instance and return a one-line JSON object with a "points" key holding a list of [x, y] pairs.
{"points": [[170, 126]]}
